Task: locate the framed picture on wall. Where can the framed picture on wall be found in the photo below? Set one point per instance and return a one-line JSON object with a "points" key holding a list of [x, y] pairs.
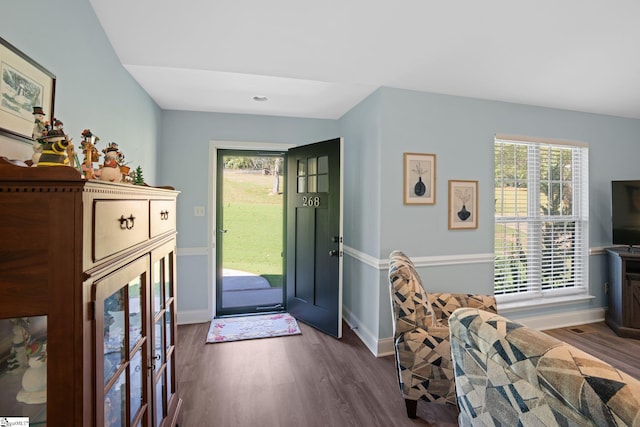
{"points": [[463, 205], [419, 179], [24, 85]]}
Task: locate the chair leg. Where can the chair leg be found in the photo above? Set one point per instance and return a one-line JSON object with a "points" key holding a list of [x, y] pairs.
{"points": [[412, 406]]}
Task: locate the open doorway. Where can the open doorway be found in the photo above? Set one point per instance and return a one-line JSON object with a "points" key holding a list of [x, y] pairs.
{"points": [[249, 232]]}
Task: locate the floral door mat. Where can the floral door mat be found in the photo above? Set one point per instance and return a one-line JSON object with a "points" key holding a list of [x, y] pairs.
{"points": [[252, 327]]}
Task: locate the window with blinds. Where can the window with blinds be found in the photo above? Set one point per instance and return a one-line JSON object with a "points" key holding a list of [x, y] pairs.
{"points": [[541, 218]]}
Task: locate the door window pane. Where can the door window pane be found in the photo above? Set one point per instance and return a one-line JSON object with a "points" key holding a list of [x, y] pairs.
{"points": [[168, 277], [323, 184], [323, 164], [135, 313], [114, 332], [168, 325], [160, 411], [313, 184], [137, 382], [169, 379], [312, 162], [157, 287], [158, 348], [302, 167], [302, 184], [115, 403]]}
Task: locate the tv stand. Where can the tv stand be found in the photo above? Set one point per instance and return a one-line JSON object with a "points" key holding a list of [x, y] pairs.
{"points": [[623, 313]]}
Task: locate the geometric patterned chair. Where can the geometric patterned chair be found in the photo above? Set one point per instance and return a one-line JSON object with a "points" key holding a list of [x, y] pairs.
{"points": [[421, 334], [510, 375]]}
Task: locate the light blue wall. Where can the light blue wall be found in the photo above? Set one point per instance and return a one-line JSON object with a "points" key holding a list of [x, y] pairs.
{"points": [[184, 163], [460, 131], [93, 89], [360, 129]]}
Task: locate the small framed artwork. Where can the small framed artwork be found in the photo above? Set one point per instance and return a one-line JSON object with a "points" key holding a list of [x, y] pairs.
{"points": [[463, 205], [24, 85], [419, 179]]}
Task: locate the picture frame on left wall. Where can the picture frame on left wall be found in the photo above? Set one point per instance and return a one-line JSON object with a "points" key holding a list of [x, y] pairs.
{"points": [[419, 179], [24, 84]]}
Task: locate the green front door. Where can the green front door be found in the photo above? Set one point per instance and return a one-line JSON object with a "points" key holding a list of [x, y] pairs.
{"points": [[314, 235]]}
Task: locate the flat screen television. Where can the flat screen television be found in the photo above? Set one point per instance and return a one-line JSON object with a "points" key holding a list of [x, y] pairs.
{"points": [[625, 212]]}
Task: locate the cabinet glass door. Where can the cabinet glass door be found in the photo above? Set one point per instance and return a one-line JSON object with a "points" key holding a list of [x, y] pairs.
{"points": [[120, 311], [163, 307], [23, 369]]}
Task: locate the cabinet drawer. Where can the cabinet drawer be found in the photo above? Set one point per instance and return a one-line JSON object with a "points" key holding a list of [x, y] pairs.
{"points": [[163, 216], [118, 225]]}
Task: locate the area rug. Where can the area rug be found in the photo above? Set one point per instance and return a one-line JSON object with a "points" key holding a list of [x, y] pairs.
{"points": [[252, 327]]}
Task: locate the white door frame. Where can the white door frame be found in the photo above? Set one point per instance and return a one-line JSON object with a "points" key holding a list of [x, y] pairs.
{"points": [[214, 146]]}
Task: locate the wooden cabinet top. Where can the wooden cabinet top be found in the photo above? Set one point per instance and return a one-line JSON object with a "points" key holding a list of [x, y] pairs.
{"points": [[17, 174]]}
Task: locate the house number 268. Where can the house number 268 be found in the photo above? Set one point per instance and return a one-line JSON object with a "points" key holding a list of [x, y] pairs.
{"points": [[312, 202]]}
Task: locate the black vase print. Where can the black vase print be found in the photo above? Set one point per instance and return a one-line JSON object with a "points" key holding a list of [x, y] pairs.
{"points": [[463, 213], [419, 188]]}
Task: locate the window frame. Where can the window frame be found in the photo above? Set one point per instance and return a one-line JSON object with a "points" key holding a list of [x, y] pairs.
{"points": [[535, 294]]}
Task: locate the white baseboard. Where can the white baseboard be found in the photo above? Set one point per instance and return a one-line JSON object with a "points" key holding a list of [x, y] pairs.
{"points": [[186, 317], [563, 320], [385, 347], [365, 335]]}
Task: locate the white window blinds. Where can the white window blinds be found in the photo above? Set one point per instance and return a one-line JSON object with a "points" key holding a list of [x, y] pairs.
{"points": [[541, 218]]}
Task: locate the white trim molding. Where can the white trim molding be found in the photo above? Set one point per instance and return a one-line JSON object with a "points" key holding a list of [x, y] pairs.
{"points": [[425, 261], [437, 260], [378, 348], [365, 258], [187, 317], [192, 251]]}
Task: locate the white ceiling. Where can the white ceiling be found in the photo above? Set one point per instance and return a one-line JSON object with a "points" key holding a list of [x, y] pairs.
{"points": [[320, 58]]}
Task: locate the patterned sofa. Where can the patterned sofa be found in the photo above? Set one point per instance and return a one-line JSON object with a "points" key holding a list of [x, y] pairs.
{"points": [[507, 374], [421, 334]]}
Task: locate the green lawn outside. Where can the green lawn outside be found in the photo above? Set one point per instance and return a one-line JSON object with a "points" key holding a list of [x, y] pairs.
{"points": [[253, 218]]}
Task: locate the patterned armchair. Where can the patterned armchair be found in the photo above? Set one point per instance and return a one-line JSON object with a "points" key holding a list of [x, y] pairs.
{"points": [[510, 375], [421, 334]]}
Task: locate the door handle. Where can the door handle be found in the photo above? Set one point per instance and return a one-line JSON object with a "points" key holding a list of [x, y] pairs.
{"points": [[220, 230], [334, 253]]}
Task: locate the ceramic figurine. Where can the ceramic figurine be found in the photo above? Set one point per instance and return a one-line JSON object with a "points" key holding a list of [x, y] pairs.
{"points": [[54, 147], [39, 129], [39, 125], [111, 168], [37, 152], [91, 153], [17, 361], [34, 380]]}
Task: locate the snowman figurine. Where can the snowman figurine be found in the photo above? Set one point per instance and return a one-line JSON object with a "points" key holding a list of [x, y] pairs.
{"points": [[110, 168], [34, 380]]}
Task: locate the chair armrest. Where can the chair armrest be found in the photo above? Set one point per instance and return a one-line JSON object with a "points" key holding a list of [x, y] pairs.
{"points": [[444, 304], [407, 343]]}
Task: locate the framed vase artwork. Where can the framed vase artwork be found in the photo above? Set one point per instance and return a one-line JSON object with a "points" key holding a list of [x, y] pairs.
{"points": [[24, 84], [463, 205], [419, 179]]}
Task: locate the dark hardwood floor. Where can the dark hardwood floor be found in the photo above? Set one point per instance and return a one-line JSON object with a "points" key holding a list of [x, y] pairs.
{"points": [[315, 380]]}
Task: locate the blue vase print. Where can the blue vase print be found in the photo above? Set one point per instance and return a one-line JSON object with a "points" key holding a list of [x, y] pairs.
{"points": [[419, 188], [463, 213]]}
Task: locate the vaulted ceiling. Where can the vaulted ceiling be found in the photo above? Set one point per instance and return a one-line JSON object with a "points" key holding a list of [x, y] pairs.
{"points": [[318, 59]]}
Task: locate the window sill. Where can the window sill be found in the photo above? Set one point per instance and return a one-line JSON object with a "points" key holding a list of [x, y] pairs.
{"points": [[506, 305]]}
